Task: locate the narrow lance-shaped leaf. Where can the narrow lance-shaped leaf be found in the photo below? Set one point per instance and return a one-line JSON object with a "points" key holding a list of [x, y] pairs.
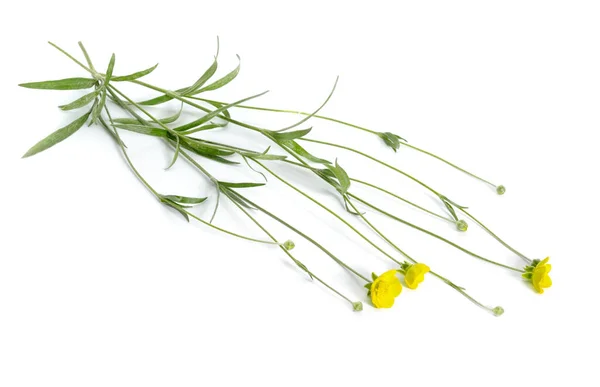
{"points": [[223, 81], [184, 199], [282, 136], [80, 102], [175, 206], [166, 120], [296, 148], [58, 136], [176, 154], [218, 105], [204, 127], [202, 80], [134, 76], [62, 84], [341, 176], [240, 185], [236, 198], [190, 90], [215, 113], [143, 129], [98, 108]]}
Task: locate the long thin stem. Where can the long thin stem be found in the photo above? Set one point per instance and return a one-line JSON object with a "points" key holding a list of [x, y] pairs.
{"points": [[379, 189], [374, 159], [445, 280], [362, 236], [356, 231], [356, 127], [297, 262], [293, 112], [308, 238], [158, 196], [403, 199], [433, 234], [523, 257], [449, 163]]}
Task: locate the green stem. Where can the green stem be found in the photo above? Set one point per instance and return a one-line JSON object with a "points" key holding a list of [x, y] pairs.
{"points": [[445, 280], [328, 210], [293, 112], [379, 189], [523, 257], [72, 58], [433, 235], [158, 196], [297, 262], [374, 159], [403, 199], [356, 127], [450, 164], [308, 238]]}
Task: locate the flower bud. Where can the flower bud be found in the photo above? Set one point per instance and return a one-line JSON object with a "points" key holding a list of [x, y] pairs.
{"points": [[500, 190], [288, 245], [498, 311], [461, 225], [357, 306]]}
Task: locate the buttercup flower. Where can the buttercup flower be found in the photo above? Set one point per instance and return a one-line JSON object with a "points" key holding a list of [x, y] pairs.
{"points": [[415, 274], [537, 273], [384, 289]]}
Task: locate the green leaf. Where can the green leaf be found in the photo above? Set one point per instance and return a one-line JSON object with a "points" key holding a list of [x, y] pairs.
{"points": [[173, 118], [109, 71], [156, 101], [341, 176], [240, 185], [134, 76], [166, 120], [58, 136], [237, 198], [62, 84], [223, 81], [392, 140], [308, 117], [143, 129], [187, 90], [202, 80], [206, 151], [262, 156], [80, 102], [219, 105], [176, 154], [184, 199], [368, 286], [219, 159], [374, 276], [204, 127], [198, 145], [175, 206], [215, 113], [296, 148], [283, 136], [100, 105]]}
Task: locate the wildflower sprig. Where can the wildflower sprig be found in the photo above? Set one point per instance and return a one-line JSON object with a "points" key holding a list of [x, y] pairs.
{"points": [[185, 144]]}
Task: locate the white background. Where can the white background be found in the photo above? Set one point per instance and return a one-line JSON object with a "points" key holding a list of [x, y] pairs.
{"points": [[102, 286]]}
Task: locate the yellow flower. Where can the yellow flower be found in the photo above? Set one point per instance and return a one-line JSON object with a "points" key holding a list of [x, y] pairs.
{"points": [[540, 278], [415, 274], [384, 289]]}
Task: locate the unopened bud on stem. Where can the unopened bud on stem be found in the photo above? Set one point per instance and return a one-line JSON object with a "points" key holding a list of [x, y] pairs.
{"points": [[500, 190], [461, 225], [288, 245]]}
